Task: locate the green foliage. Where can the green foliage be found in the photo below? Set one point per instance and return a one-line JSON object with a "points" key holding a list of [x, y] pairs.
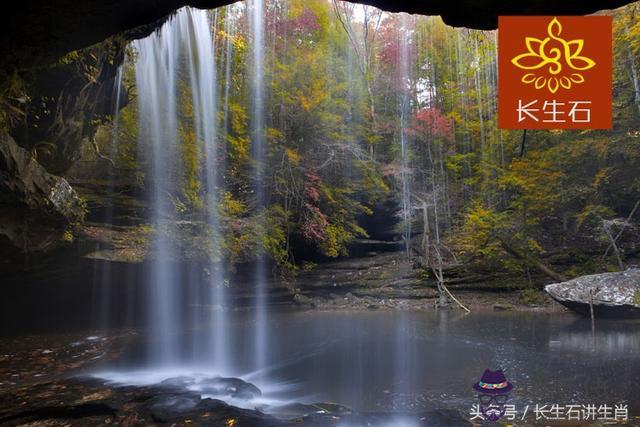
{"points": [[336, 111], [274, 236], [12, 100], [531, 185], [477, 238], [238, 142], [191, 161], [70, 58], [335, 241]]}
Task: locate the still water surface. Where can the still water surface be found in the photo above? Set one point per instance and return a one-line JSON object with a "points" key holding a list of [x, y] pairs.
{"points": [[415, 361]]}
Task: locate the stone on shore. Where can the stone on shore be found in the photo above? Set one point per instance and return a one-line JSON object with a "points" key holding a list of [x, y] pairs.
{"points": [[612, 294]]}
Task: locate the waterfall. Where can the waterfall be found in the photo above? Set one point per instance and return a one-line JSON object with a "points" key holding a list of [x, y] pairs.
{"points": [[403, 107], [222, 337], [258, 140], [205, 100], [156, 83], [183, 42], [102, 274]]}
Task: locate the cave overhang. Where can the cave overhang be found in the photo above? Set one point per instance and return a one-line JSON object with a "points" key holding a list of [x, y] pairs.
{"points": [[39, 32]]}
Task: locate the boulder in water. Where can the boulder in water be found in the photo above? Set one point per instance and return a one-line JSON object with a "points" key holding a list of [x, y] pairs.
{"points": [[229, 387], [612, 294], [180, 381]]}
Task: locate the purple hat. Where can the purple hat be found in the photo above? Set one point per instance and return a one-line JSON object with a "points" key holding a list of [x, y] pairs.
{"points": [[493, 382]]}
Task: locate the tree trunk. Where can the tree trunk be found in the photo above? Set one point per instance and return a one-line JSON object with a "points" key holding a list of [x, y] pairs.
{"points": [[607, 230]]}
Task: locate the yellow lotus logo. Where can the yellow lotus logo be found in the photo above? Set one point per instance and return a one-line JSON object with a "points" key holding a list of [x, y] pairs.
{"points": [[557, 62]]}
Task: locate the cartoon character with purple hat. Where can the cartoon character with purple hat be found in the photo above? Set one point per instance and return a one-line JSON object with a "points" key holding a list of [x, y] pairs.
{"points": [[493, 393]]}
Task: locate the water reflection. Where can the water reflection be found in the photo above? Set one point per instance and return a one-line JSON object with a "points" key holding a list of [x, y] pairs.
{"points": [[416, 361], [611, 338]]}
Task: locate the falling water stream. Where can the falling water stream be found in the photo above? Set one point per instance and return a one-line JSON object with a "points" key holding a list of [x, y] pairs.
{"points": [[403, 107], [184, 42], [179, 60], [102, 272], [156, 83], [258, 132]]}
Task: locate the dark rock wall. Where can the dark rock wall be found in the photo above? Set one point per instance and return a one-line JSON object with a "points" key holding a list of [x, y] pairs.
{"points": [[483, 14], [61, 107], [38, 210], [66, 102]]}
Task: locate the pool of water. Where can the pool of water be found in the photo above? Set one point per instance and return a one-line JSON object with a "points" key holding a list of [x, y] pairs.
{"points": [[415, 361]]}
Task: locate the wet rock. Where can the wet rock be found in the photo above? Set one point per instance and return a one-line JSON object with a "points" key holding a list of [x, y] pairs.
{"points": [[67, 101], [231, 387], [293, 410], [91, 402], [181, 381], [174, 407], [612, 294], [169, 407], [332, 408], [298, 410]]}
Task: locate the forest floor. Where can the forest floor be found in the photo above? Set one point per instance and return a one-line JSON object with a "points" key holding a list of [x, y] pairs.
{"points": [[390, 281]]}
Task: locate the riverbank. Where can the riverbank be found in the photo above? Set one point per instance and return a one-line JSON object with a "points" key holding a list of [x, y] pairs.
{"points": [[388, 281]]}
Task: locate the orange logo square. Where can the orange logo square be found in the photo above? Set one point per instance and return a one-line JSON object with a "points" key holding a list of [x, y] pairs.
{"points": [[554, 72]]}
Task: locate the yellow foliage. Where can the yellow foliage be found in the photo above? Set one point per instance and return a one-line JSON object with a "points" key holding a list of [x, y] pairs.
{"points": [[192, 186], [230, 206], [293, 156]]}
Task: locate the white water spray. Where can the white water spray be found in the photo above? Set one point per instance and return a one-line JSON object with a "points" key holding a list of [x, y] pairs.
{"points": [[183, 42]]}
